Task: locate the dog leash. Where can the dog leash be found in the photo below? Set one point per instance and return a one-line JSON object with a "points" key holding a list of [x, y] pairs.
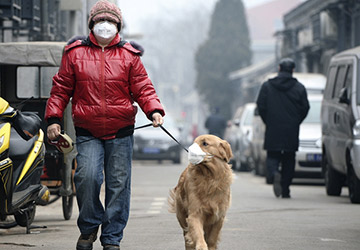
{"points": [[139, 127], [168, 133], [143, 126]]}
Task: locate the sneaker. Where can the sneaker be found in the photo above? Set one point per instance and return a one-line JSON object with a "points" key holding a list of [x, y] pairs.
{"points": [[277, 184], [85, 241], [111, 247]]}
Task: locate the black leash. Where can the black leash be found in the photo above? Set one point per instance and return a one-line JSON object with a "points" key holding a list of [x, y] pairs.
{"points": [[140, 127], [167, 132]]}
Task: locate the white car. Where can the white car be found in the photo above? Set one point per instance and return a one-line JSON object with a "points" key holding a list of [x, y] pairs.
{"points": [[308, 156]]}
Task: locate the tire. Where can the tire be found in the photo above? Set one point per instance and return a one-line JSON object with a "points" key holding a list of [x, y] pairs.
{"points": [[353, 184], [333, 179], [24, 220]]}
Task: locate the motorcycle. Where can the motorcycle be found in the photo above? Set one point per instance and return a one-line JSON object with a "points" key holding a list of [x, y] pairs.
{"points": [[22, 153]]}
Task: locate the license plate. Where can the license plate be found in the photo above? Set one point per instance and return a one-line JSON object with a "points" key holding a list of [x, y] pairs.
{"points": [[151, 150], [313, 157]]}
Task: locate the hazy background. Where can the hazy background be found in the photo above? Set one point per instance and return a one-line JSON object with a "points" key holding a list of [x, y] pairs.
{"points": [[171, 33]]}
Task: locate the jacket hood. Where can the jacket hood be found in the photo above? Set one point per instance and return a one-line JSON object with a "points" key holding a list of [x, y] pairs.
{"points": [[283, 82]]}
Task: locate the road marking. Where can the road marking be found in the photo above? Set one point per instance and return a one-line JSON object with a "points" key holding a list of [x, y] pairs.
{"points": [[156, 205], [331, 240]]}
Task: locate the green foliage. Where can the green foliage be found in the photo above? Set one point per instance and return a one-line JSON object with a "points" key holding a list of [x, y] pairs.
{"points": [[226, 49]]}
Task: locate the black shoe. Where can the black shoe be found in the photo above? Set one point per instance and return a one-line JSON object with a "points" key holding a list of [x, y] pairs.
{"points": [[277, 184], [286, 196], [85, 241], [111, 247]]}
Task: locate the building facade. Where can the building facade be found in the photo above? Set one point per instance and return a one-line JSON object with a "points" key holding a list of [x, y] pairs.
{"points": [[316, 30]]}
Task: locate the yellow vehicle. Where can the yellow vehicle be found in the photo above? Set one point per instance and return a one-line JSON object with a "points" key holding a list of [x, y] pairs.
{"points": [[26, 71]]}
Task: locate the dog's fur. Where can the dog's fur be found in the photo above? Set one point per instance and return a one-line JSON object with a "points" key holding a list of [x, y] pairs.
{"points": [[202, 195]]}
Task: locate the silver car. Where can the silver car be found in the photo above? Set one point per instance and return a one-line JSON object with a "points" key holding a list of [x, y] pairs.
{"points": [[308, 157]]}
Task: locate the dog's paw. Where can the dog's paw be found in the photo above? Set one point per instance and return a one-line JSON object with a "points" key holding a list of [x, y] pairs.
{"points": [[202, 247]]}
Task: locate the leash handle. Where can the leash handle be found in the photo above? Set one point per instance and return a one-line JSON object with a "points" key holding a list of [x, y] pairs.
{"points": [[168, 133]]}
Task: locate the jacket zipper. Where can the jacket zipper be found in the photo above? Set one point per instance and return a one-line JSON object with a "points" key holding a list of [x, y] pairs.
{"points": [[102, 82]]}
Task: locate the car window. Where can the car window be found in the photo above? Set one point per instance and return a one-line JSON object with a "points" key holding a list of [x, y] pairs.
{"points": [[249, 117], [348, 81], [314, 112], [141, 120], [330, 82], [340, 80]]}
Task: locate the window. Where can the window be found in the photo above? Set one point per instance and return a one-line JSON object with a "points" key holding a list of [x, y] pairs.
{"points": [[27, 82], [330, 82], [340, 81], [46, 75], [34, 81], [348, 81]]}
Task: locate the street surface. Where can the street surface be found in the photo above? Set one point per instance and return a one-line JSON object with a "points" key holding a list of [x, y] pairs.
{"points": [[256, 219]]}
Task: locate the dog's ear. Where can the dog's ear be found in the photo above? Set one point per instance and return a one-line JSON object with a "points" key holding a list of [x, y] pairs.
{"points": [[225, 150]]}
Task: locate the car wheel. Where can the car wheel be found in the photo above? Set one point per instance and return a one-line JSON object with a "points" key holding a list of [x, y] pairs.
{"points": [[353, 184], [333, 179], [177, 160]]}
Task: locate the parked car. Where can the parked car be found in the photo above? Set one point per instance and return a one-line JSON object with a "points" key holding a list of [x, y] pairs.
{"points": [[243, 137], [230, 132], [153, 143], [308, 157], [340, 115]]}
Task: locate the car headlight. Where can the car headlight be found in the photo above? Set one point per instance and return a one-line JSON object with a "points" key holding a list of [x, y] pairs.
{"points": [[356, 129], [318, 143]]}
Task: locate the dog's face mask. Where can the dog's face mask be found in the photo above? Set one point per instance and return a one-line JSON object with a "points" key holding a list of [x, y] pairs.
{"points": [[196, 155]]}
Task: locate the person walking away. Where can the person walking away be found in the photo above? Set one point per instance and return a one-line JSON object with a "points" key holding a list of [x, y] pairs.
{"points": [[104, 76], [282, 104], [216, 123]]}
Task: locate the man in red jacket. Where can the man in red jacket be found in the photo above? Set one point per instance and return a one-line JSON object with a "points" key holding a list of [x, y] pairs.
{"points": [[104, 76]]}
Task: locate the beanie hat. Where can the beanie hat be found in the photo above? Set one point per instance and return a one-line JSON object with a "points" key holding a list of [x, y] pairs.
{"points": [[105, 10]]}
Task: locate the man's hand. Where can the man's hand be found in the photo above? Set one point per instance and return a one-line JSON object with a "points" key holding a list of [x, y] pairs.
{"points": [[53, 131], [157, 119]]}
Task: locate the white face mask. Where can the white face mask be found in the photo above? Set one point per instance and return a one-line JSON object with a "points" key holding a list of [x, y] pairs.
{"points": [[196, 155], [105, 30]]}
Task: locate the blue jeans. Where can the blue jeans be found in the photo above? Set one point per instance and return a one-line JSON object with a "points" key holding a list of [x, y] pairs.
{"points": [[94, 159]]}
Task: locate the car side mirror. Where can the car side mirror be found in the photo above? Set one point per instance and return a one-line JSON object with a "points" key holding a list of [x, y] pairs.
{"points": [[343, 96], [237, 122]]}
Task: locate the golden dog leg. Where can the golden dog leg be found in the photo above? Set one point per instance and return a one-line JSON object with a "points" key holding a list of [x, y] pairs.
{"points": [[213, 234], [196, 232]]}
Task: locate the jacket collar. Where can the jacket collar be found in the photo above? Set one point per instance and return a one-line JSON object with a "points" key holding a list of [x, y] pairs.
{"points": [[115, 41]]}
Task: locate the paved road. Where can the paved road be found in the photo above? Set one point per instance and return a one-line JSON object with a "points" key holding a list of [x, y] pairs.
{"points": [[256, 220]]}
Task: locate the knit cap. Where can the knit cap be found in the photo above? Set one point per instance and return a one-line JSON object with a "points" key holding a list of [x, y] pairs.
{"points": [[105, 10]]}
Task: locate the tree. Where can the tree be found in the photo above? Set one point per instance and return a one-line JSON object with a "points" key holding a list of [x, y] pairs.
{"points": [[226, 49]]}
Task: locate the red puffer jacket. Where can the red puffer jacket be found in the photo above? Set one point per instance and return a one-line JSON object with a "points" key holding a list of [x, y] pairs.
{"points": [[103, 84]]}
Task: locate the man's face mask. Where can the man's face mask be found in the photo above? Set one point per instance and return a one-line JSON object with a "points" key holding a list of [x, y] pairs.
{"points": [[196, 155], [105, 30]]}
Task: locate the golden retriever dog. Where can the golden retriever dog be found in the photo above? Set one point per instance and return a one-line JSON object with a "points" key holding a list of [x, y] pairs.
{"points": [[202, 195]]}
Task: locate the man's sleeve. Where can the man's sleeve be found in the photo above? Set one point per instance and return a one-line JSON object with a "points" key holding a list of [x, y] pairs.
{"points": [[143, 90], [261, 102], [305, 106], [61, 91]]}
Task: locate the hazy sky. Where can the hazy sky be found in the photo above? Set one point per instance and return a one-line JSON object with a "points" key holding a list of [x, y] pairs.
{"points": [[135, 11]]}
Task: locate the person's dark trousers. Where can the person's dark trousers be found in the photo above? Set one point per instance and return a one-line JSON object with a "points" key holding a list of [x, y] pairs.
{"points": [[287, 161]]}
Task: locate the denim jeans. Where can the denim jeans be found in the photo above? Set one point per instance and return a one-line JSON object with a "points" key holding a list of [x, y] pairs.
{"points": [[94, 159], [287, 161]]}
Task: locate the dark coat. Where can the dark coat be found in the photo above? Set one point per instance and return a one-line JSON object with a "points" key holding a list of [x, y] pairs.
{"points": [[282, 104]]}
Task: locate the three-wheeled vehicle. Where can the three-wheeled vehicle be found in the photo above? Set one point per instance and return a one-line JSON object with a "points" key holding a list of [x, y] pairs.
{"points": [[26, 71]]}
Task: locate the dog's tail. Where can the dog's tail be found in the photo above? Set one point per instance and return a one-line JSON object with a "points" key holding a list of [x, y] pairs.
{"points": [[171, 201]]}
